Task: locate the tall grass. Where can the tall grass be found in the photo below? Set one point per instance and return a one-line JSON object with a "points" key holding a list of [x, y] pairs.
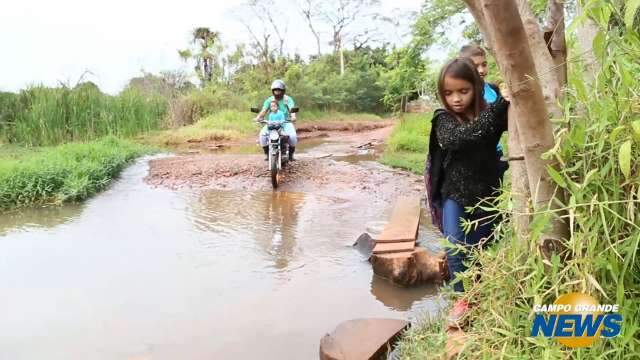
{"points": [[596, 145], [68, 172], [48, 116]]}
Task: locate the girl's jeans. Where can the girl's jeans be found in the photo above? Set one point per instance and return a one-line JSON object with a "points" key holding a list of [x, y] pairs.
{"points": [[452, 215], [287, 128]]}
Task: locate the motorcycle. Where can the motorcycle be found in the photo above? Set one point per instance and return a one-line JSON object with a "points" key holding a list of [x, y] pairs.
{"points": [[278, 146]]}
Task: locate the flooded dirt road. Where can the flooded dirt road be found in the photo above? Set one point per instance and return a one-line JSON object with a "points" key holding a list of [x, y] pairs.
{"points": [[205, 266]]}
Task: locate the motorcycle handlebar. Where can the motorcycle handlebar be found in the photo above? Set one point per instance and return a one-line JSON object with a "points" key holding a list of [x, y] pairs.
{"points": [[267, 121]]}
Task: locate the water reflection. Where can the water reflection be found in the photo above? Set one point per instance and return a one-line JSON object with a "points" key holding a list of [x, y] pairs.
{"points": [[400, 298], [269, 219], [38, 217]]}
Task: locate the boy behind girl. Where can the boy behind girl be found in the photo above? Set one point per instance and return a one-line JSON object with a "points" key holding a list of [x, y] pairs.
{"points": [[479, 58], [491, 92]]}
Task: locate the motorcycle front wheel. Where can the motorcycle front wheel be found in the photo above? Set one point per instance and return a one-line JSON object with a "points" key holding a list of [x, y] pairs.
{"points": [[274, 170]]}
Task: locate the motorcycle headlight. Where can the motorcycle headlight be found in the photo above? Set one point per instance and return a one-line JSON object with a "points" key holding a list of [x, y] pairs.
{"points": [[273, 136]]}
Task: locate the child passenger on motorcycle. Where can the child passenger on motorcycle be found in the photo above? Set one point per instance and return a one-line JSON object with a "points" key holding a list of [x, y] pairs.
{"points": [[275, 115]]}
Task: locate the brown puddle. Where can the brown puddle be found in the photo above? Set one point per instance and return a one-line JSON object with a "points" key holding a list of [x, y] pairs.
{"points": [[152, 273]]}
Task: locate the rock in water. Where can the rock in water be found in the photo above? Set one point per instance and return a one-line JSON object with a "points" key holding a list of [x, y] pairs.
{"points": [[365, 245], [361, 339]]}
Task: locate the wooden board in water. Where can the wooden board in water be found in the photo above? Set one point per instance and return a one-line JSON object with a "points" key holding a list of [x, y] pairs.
{"points": [[404, 222]]}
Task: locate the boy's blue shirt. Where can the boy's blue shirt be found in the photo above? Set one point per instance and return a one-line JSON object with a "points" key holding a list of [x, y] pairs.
{"points": [[490, 96], [276, 116]]}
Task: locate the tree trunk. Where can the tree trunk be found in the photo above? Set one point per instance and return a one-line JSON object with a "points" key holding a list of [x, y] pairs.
{"points": [[207, 69], [475, 8], [585, 34], [317, 42], [519, 184], [533, 125], [544, 63], [557, 44], [307, 14], [341, 61]]}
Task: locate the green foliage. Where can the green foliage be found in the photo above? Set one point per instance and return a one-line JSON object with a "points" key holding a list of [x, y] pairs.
{"points": [[68, 172], [539, 8], [48, 116], [435, 21], [167, 84], [407, 76], [316, 85]]}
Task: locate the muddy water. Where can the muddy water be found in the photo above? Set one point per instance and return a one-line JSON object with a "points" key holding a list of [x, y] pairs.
{"points": [[149, 273]]}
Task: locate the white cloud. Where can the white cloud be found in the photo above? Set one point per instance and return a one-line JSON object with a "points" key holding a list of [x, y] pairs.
{"points": [[50, 41]]}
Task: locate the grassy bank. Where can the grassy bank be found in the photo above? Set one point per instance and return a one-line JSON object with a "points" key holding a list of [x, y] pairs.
{"points": [[49, 116], [234, 125], [69, 172], [406, 148]]}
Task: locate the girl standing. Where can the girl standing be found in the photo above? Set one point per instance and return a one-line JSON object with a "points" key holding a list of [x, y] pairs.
{"points": [[465, 133]]}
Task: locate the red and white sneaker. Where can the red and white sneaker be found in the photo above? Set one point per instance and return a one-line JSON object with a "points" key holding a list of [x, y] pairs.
{"points": [[457, 313]]}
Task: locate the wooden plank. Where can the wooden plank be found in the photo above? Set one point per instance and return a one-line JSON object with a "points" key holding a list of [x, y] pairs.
{"points": [[394, 247], [404, 222], [361, 339]]}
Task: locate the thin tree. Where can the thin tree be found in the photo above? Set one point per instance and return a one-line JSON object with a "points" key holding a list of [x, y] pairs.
{"points": [[308, 10], [555, 36], [340, 16]]}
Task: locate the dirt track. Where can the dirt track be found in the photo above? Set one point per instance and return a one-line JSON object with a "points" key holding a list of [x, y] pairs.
{"points": [[341, 162]]}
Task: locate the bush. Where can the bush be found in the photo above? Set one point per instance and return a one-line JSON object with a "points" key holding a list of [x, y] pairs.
{"points": [[67, 172]]}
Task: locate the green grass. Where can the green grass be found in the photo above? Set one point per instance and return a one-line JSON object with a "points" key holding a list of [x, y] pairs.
{"points": [[48, 116], [69, 172], [406, 148], [224, 125], [424, 340], [13, 151], [315, 115]]}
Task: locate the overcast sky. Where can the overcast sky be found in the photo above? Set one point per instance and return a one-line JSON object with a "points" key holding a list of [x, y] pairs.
{"points": [[50, 41]]}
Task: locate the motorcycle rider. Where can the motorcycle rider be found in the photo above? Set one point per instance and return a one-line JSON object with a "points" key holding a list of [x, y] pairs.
{"points": [[285, 103]]}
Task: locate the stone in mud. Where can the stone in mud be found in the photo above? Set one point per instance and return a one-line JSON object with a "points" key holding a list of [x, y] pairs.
{"points": [[410, 268], [361, 339]]}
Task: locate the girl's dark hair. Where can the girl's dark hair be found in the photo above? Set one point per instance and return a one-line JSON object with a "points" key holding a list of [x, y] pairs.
{"points": [[463, 69]]}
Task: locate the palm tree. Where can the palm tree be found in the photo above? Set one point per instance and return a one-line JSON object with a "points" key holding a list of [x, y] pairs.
{"points": [[205, 57]]}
